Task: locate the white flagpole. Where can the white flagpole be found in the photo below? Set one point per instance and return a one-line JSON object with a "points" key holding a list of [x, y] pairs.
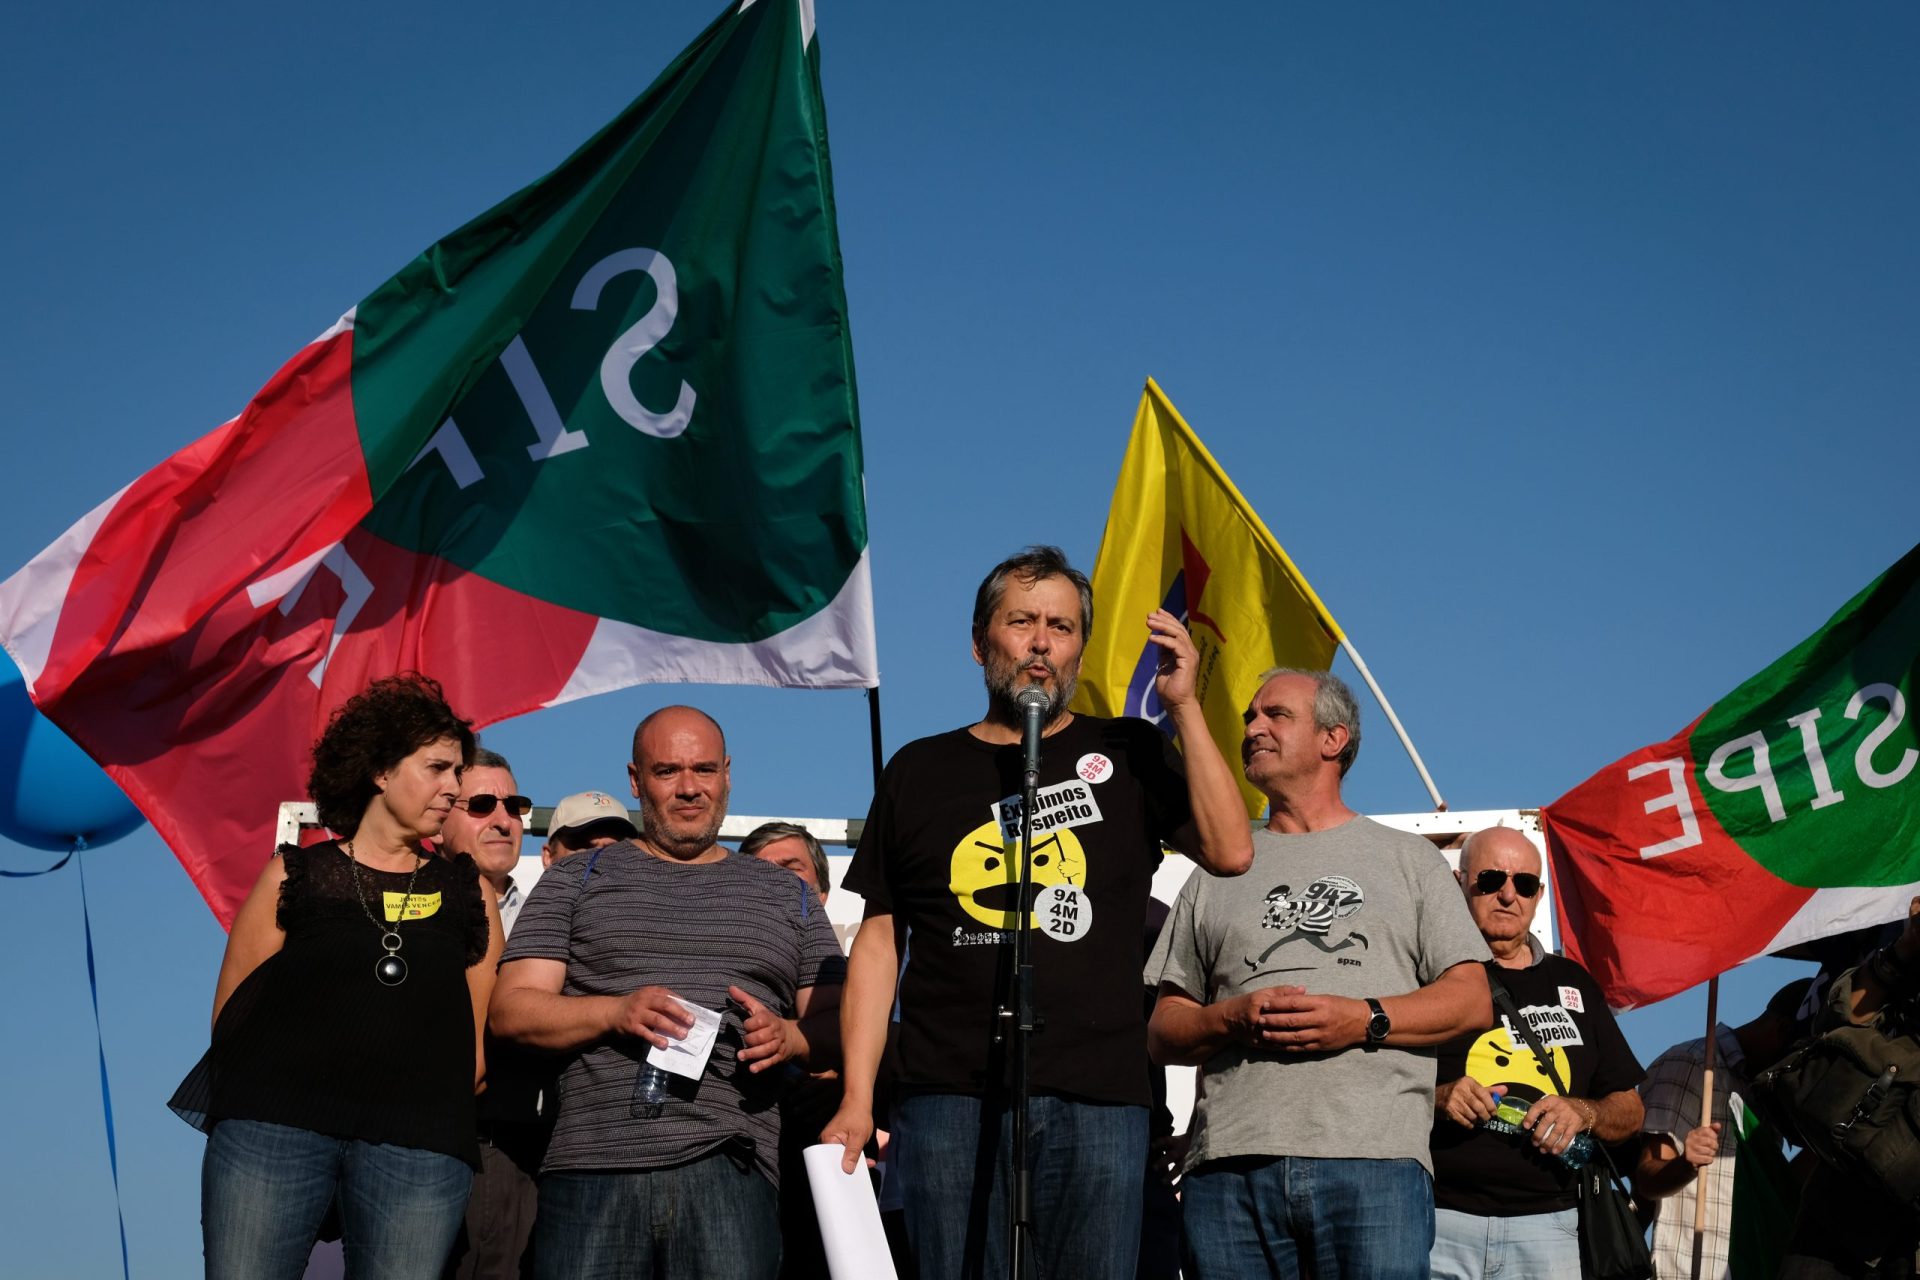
{"points": [[1360, 665]]}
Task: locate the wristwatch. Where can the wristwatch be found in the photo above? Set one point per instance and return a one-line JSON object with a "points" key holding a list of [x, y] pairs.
{"points": [[1379, 1024]]}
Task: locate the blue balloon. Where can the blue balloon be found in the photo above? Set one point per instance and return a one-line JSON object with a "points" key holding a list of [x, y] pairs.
{"points": [[51, 792]]}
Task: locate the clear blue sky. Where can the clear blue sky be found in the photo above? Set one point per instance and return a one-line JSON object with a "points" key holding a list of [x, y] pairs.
{"points": [[1569, 350]]}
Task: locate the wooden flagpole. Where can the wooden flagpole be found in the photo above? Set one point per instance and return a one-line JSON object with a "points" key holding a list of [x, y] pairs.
{"points": [[1706, 1118]]}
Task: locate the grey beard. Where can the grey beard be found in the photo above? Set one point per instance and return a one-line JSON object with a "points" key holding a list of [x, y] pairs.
{"points": [[1003, 691], [684, 844]]}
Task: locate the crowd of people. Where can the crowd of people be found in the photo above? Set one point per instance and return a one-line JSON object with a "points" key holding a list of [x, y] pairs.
{"points": [[614, 1074]]}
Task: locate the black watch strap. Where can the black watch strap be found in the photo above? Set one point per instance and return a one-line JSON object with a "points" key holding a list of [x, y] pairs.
{"points": [[1379, 1025]]}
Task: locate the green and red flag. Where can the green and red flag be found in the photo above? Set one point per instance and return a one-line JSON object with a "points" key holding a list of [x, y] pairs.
{"points": [[1788, 811], [604, 434]]}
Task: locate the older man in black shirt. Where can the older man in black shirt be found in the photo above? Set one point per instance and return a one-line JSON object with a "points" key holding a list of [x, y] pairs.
{"points": [[1506, 1202]]}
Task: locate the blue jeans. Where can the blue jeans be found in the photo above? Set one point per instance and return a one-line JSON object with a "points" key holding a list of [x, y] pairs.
{"points": [[1290, 1216], [1088, 1162], [264, 1189], [1467, 1246], [717, 1218]]}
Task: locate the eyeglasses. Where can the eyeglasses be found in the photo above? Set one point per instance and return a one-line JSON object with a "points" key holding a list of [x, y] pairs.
{"points": [[482, 805], [1525, 883]]}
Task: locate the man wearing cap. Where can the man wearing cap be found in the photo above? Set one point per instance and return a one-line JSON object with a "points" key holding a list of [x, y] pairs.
{"points": [[488, 824], [585, 820], [1506, 1124]]}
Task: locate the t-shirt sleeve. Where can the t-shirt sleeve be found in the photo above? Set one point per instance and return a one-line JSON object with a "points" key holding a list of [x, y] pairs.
{"points": [[822, 962], [544, 928], [1615, 1067], [1162, 772], [1447, 933], [867, 871], [1176, 958], [1671, 1093]]}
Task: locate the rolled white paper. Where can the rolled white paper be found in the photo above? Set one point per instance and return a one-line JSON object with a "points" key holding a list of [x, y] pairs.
{"points": [[849, 1217]]}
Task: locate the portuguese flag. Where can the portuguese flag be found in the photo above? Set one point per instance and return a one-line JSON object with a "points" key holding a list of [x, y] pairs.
{"points": [[1788, 811], [603, 434]]}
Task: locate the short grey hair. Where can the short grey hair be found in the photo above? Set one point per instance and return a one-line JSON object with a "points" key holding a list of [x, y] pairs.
{"points": [[485, 759], [1333, 705], [768, 832]]}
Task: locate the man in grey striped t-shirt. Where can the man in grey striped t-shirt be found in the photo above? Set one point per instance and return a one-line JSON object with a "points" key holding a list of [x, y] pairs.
{"points": [[608, 944]]}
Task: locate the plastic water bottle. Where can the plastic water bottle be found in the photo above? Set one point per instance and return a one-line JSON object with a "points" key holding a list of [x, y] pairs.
{"points": [[1510, 1111], [1507, 1115], [649, 1091], [1580, 1152]]}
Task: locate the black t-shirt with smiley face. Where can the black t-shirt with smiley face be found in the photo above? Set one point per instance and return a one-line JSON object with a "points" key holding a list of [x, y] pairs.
{"points": [[1500, 1174], [936, 855]]}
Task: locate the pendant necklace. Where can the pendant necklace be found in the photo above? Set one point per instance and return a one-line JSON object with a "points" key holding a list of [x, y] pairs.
{"points": [[390, 969]]}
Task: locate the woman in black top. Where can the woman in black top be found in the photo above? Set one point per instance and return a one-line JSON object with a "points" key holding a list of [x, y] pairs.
{"points": [[345, 1021]]}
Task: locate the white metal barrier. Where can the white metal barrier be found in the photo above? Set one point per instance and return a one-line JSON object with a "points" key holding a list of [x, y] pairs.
{"points": [[844, 907]]}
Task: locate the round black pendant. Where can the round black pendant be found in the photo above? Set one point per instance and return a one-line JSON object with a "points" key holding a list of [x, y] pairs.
{"points": [[391, 970]]}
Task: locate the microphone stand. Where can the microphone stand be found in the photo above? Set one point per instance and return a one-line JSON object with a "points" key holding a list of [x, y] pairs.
{"points": [[1017, 1013]]}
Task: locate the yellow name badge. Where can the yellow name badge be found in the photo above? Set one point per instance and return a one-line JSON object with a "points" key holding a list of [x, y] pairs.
{"points": [[419, 907]]}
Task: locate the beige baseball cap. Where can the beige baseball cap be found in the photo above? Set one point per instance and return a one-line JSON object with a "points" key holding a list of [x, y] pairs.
{"points": [[590, 809]]}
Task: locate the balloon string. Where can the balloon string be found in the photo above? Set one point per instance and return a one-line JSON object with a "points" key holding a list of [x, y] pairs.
{"points": [[27, 875], [106, 1094]]}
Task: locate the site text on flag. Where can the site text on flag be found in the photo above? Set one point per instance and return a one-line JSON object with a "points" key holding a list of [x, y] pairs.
{"points": [[605, 433], [1789, 810]]}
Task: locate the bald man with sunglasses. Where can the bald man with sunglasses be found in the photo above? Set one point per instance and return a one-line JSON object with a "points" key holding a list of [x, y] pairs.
{"points": [[1506, 1200]]}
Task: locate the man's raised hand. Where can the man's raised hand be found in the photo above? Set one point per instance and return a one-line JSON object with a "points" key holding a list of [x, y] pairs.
{"points": [[1179, 659]]}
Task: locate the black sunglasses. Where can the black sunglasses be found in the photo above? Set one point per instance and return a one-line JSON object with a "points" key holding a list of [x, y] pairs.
{"points": [[482, 805], [1525, 883]]}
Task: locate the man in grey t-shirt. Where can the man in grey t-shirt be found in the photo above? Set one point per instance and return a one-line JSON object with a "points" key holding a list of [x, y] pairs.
{"points": [[1306, 990]]}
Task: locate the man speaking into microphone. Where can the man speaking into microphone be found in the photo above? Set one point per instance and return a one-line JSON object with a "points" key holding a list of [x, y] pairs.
{"points": [[939, 860]]}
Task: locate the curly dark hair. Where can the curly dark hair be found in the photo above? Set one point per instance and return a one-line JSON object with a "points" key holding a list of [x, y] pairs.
{"points": [[370, 733]]}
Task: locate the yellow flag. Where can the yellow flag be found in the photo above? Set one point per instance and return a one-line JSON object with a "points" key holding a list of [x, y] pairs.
{"points": [[1180, 536]]}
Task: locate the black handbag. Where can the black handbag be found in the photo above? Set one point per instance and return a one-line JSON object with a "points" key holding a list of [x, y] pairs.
{"points": [[1851, 1095], [1613, 1244]]}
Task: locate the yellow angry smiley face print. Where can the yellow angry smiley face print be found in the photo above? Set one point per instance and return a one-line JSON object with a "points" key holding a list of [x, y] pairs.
{"points": [[984, 877], [1494, 1061]]}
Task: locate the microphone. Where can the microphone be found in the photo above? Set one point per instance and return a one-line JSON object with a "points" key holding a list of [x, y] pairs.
{"points": [[1036, 708]]}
